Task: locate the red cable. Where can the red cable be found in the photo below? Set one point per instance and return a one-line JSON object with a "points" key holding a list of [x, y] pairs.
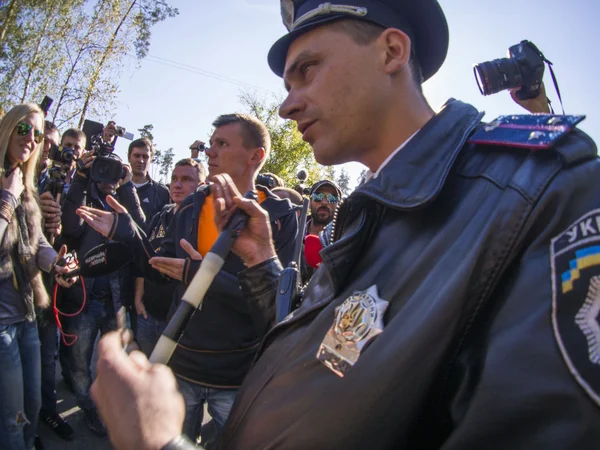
{"points": [[58, 313]]}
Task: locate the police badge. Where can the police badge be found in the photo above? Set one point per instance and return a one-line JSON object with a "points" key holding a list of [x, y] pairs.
{"points": [[358, 320], [575, 258]]}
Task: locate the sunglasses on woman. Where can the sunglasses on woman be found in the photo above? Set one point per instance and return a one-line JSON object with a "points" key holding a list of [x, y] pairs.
{"points": [[320, 196], [23, 129]]}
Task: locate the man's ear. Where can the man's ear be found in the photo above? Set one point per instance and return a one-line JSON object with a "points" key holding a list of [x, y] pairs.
{"points": [[258, 155], [396, 46]]}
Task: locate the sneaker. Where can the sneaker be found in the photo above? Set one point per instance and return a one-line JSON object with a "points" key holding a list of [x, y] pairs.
{"points": [[93, 422], [59, 425], [38, 444]]}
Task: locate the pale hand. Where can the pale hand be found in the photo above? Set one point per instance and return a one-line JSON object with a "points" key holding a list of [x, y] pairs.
{"points": [[66, 283], [128, 175], [255, 243], [173, 267], [52, 212], [139, 402], [14, 183], [99, 220], [533, 105]]}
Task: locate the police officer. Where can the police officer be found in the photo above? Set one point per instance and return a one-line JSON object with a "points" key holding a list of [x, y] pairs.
{"points": [[457, 305]]}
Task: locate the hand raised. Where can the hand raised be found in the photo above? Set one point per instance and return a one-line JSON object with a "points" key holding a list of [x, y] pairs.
{"points": [[255, 243], [14, 182], [101, 221]]}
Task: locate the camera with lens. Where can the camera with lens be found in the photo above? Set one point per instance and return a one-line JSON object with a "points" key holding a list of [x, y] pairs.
{"points": [[120, 131], [62, 155], [107, 167], [62, 161], [523, 68]]}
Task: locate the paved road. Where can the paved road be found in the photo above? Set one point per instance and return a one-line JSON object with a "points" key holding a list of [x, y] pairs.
{"points": [[84, 439]]}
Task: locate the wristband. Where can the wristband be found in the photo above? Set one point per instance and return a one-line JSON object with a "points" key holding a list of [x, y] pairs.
{"points": [[6, 210]]}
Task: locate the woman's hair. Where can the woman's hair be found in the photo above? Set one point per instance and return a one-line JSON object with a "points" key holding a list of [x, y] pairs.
{"points": [[7, 127]]}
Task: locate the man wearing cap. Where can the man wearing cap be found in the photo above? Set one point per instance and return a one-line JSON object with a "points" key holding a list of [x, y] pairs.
{"points": [[457, 306], [324, 198]]}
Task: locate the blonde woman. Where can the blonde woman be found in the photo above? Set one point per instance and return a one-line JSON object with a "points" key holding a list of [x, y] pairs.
{"points": [[24, 251]]}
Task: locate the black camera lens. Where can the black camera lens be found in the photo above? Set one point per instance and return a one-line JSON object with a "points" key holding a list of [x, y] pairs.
{"points": [[498, 75]]}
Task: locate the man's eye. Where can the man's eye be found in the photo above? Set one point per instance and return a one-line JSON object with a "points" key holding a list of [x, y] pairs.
{"points": [[304, 67]]}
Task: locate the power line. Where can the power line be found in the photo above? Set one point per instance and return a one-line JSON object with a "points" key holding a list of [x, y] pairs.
{"points": [[203, 72]]}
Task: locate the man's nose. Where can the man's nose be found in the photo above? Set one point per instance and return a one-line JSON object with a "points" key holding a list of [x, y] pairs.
{"points": [[291, 106]]}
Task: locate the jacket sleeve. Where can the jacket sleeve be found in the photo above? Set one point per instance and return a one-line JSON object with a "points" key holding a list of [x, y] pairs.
{"points": [[520, 379], [128, 232], [73, 225], [285, 231], [45, 255], [7, 197], [259, 288], [128, 198]]}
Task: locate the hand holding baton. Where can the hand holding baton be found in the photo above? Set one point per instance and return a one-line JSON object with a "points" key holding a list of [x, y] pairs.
{"points": [[194, 294]]}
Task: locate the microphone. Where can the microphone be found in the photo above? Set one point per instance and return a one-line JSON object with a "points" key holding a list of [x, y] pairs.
{"points": [[194, 294], [312, 248]]}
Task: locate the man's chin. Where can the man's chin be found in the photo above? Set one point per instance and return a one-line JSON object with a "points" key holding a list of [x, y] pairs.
{"points": [[326, 155]]}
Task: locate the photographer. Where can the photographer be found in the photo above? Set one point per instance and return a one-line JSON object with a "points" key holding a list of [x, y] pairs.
{"points": [[90, 187], [196, 148], [24, 253], [52, 189], [74, 140]]}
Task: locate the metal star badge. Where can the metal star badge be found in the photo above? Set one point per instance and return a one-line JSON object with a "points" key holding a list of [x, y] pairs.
{"points": [[358, 320]]}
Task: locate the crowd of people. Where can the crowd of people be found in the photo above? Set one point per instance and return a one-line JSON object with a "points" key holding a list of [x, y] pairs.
{"points": [[177, 223], [451, 302]]}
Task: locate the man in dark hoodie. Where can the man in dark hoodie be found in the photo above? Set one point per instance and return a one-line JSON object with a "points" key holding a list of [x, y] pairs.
{"points": [[102, 295], [221, 340]]}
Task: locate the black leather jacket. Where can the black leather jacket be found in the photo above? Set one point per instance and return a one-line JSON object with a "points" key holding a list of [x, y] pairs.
{"points": [[457, 238]]}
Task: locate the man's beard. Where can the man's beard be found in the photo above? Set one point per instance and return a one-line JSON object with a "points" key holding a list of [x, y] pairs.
{"points": [[319, 221]]}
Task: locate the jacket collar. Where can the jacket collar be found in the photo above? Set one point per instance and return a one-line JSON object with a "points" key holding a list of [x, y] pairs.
{"points": [[416, 174]]}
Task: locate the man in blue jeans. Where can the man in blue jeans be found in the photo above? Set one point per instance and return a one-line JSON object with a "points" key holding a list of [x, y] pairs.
{"points": [[153, 300]]}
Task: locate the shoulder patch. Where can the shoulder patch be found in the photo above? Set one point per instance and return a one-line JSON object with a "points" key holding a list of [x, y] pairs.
{"points": [[530, 131], [575, 262]]}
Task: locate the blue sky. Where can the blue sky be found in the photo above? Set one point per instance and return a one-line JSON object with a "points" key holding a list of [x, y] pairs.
{"points": [[230, 39]]}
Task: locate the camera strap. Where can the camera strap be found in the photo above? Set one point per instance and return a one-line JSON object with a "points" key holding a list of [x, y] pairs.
{"points": [[549, 63]]}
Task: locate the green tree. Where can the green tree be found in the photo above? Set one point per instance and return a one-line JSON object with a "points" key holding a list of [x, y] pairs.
{"points": [[361, 177], [289, 153], [344, 182], [166, 162], [72, 51], [146, 132]]}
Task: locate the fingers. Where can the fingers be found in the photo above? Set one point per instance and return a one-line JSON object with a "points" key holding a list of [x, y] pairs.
{"points": [[139, 360], [114, 204], [65, 283], [172, 267], [250, 207], [98, 223], [62, 252], [189, 249]]}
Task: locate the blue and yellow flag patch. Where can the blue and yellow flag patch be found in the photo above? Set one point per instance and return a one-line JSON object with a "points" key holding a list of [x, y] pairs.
{"points": [[575, 259]]}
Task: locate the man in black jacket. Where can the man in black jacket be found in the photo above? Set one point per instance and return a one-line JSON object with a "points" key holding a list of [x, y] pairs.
{"points": [[220, 341], [103, 294], [153, 195], [457, 304], [153, 300]]}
